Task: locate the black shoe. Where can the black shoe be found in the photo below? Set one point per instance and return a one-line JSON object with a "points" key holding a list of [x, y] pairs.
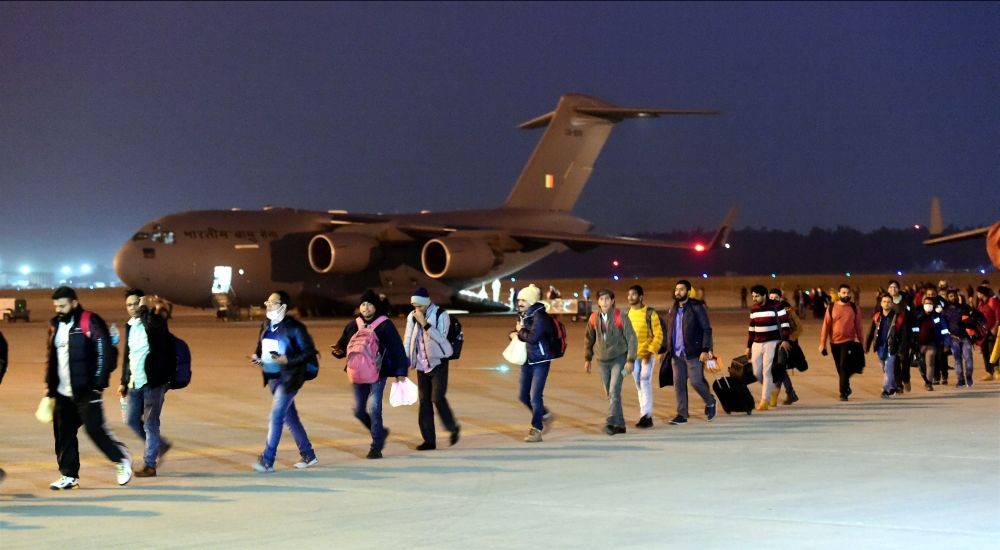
{"points": [[679, 420], [618, 429], [609, 429], [454, 435], [929, 387], [374, 453], [843, 398], [425, 446], [711, 411], [885, 395], [644, 422]]}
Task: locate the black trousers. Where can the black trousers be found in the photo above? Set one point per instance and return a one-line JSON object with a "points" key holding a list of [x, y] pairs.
{"points": [[839, 352], [432, 387], [987, 349], [88, 411]]}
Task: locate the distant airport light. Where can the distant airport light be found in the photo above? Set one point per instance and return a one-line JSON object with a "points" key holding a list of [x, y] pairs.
{"points": [[899, 273], [615, 277], [615, 263], [25, 270], [916, 226], [513, 279], [848, 274], [704, 275], [699, 247], [982, 271], [727, 245], [774, 275], [86, 269], [67, 270], [550, 181]]}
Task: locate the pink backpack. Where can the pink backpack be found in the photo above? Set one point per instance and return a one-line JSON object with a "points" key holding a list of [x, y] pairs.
{"points": [[362, 353]]}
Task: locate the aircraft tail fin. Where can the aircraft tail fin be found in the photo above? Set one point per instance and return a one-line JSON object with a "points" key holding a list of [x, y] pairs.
{"points": [[564, 158], [936, 226]]}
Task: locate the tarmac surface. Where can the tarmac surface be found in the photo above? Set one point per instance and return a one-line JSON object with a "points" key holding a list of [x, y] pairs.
{"points": [[920, 470]]}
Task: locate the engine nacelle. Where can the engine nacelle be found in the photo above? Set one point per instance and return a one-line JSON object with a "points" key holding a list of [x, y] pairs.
{"points": [[457, 258], [341, 252]]}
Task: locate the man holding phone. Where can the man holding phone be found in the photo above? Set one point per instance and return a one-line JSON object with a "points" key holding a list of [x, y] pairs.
{"points": [[284, 349]]}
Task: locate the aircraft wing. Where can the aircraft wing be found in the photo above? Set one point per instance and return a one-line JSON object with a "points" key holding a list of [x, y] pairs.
{"points": [[961, 236]]}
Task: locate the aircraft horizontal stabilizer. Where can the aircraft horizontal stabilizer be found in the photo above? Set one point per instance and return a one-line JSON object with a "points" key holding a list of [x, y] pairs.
{"points": [[962, 236]]}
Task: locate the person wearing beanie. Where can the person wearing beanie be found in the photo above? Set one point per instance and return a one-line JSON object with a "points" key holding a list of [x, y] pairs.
{"points": [[368, 397], [534, 327], [428, 349]]}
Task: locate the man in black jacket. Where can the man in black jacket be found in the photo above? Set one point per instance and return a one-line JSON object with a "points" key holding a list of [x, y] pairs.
{"points": [[285, 352], [689, 346], [80, 361], [147, 368]]}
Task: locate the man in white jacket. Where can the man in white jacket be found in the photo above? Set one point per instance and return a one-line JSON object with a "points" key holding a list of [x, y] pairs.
{"points": [[427, 346]]}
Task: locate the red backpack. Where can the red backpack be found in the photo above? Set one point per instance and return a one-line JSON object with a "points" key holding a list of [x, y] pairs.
{"points": [[557, 344], [362, 353], [618, 320]]}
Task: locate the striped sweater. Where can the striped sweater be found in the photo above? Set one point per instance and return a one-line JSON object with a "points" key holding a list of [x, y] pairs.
{"points": [[768, 322]]}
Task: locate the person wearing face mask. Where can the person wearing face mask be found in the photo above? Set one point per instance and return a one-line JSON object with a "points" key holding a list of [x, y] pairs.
{"points": [[284, 352], [842, 328], [148, 365], [930, 334], [957, 315], [392, 361], [428, 349], [80, 361]]}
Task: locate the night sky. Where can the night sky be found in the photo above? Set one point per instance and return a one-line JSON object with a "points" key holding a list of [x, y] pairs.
{"points": [[834, 114]]}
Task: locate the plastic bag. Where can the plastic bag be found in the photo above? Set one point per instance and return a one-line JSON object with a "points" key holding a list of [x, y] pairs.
{"points": [[45, 408], [403, 393], [516, 352]]}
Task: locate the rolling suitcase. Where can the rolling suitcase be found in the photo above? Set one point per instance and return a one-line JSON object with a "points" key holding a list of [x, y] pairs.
{"points": [[733, 395]]}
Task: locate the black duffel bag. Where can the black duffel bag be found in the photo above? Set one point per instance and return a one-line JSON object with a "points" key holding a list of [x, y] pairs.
{"points": [[741, 369]]}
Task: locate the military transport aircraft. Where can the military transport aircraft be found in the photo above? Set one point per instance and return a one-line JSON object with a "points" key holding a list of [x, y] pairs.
{"points": [[327, 259]]}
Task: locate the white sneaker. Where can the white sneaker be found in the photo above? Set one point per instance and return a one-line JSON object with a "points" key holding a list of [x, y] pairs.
{"points": [[303, 464], [124, 469], [260, 467], [65, 483]]}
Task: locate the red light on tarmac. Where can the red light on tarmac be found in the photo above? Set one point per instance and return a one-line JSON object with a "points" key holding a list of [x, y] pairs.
{"points": [[699, 247]]}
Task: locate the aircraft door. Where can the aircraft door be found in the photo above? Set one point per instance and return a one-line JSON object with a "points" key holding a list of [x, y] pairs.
{"points": [[222, 281]]}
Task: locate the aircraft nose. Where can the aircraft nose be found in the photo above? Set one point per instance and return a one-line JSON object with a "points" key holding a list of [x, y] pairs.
{"points": [[127, 264]]}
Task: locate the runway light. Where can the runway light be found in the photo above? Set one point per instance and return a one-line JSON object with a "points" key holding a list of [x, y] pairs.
{"points": [[727, 245], [899, 273], [503, 368], [704, 275], [513, 279], [774, 275], [25, 270], [699, 247], [982, 271], [615, 277], [86, 269], [848, 274], [615, 263]]}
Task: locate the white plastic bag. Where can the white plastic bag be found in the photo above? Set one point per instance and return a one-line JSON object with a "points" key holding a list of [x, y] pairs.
{"points": [[403, 393], [45, 408], [516, 352]]}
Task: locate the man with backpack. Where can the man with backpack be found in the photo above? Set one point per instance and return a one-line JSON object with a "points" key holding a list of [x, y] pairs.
{"points": [[645, 341], [886, 332], [961, 316], [842, 328], [80, 361], [535, 328], [287, 357], [689, 345], [148, 365], [607, 343], [429, 350], [374, 352]]}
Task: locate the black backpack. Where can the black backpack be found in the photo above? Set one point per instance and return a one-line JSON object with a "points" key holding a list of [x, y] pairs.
{"points": [[455, 335]]}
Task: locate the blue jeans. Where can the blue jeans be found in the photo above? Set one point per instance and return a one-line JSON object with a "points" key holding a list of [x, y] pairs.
{"points": [[142, 414], [888, 362], [368, 409], [611, 377], [532, 385], [690, 369], [961, 350], [283, 413]]}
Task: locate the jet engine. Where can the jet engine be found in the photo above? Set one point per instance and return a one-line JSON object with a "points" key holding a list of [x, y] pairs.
{"points": [[341, 252], [457, 258]]}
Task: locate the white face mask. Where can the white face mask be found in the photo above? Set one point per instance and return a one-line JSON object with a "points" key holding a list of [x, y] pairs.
{"points": [[928, 307], [276, 315]]}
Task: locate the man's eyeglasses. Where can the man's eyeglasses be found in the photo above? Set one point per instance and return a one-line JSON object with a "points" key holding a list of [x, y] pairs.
{"points": [[269, 303]]}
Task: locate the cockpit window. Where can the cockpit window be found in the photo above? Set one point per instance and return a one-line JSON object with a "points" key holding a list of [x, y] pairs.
{"points": [[158, 236]]}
